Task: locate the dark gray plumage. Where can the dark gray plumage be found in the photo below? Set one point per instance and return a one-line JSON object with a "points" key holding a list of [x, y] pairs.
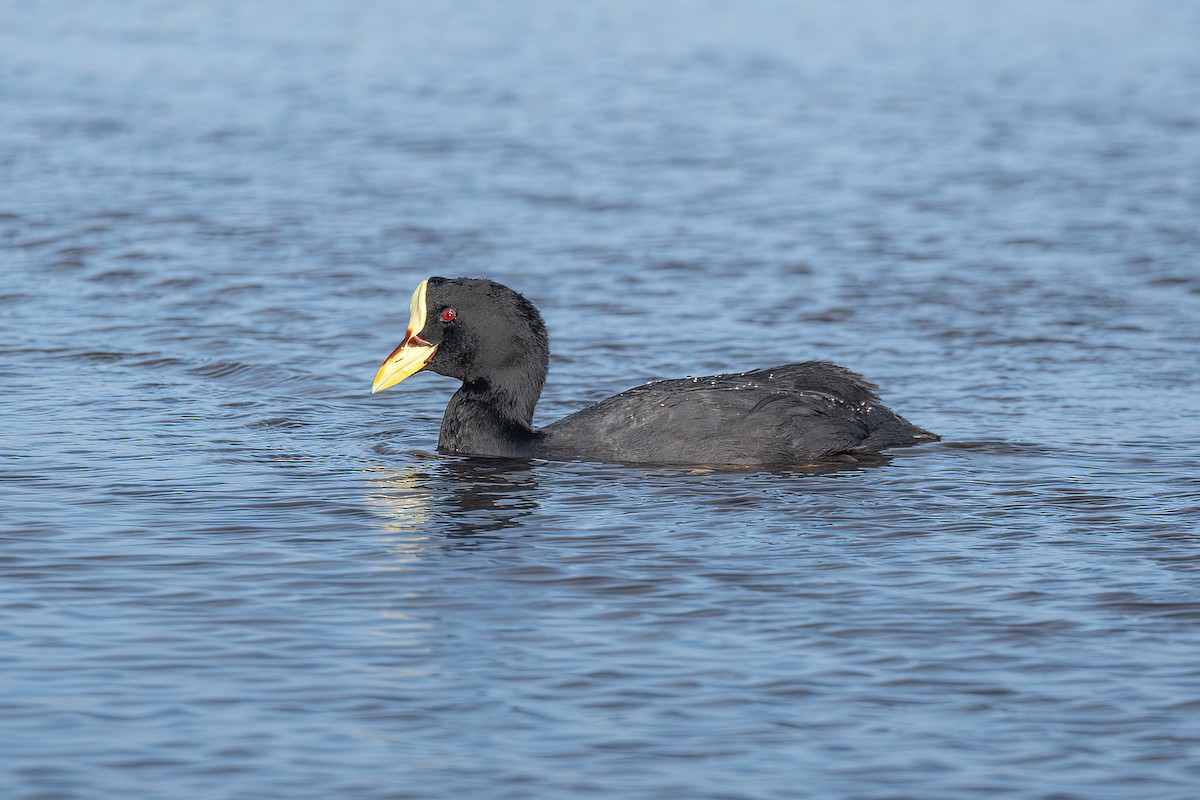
{"points": [[791, 415]]}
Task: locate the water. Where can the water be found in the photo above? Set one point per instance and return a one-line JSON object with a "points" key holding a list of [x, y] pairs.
{"points": [[228, 571]]}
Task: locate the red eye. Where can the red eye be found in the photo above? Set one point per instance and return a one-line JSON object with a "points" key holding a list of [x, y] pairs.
{"points": [[448, 315]]}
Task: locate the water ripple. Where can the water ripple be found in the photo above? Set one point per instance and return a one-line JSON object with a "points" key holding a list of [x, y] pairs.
{"points": [[230, 571]]}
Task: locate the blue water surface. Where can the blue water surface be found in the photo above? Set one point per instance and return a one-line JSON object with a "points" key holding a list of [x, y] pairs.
{"points": [[228, 571]]}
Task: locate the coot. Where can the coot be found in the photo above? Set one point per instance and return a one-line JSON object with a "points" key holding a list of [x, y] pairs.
{"points": [[494, 341]]}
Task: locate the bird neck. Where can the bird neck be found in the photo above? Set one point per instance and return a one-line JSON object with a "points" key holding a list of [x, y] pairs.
{"points": [[490, 417]]}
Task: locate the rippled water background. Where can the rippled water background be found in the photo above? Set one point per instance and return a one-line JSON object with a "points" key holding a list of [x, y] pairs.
{"points": [[228, 571]]}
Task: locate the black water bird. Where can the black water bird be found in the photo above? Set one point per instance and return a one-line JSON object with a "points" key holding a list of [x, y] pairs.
{"points": [[494, 341]]}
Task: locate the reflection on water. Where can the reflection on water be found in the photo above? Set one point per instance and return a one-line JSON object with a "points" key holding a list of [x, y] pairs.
{"points": [[453, 498]]}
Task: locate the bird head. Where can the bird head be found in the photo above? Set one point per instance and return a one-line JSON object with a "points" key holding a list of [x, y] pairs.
{"points": [[472, 329]]}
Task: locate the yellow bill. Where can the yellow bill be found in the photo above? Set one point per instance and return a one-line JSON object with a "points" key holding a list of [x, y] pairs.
{"points": [[414, 352]]}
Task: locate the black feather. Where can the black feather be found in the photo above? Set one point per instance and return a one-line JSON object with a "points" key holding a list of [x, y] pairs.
{"points": [[794, 414]]}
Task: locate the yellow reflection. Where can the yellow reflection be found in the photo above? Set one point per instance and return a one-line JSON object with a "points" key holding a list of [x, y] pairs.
{"points": [[451, 499], [400, 498]]}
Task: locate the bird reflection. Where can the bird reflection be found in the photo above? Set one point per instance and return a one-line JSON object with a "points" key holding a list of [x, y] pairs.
{"points": [[454, 498]]}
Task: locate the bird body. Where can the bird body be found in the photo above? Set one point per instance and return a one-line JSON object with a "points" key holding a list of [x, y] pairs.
{"points": [[494, 341], [790, 414]]}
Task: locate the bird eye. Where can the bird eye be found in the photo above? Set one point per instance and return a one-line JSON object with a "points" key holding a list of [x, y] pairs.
{"points": [[448, 315]]}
